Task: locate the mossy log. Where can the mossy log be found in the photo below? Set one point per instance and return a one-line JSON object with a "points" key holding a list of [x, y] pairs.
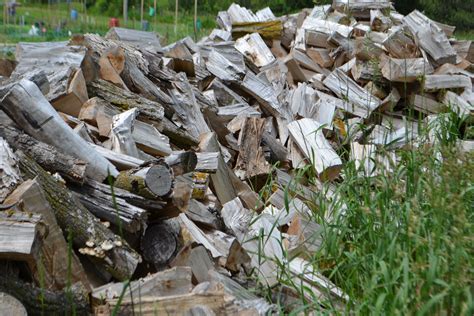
{"points": [[152, 182], [268, 30], [89, 234]]}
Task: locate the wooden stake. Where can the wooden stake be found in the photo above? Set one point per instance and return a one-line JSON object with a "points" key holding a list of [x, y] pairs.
{"points": [[176, 18], [125, 11], [195, 20]]}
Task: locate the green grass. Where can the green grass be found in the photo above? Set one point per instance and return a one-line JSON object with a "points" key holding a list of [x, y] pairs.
{"points": [[405, 243], [163, 24], [465, 35]]}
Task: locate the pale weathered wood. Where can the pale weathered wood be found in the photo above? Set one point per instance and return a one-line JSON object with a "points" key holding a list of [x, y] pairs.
{"points": [[121, 133], [308, 135], [54, 250], [364, 71], [136, 38], [400, 44], [254, 49], [43, 123], [202, 215], [182, 162], [221, 182], [124, 99], [366, 49], [100, 113], [120, 161], [174, 281], [10, 176], [305, 236], [171, 305], [465, 49], [11, 306], [222, 68], [361, 8], [458, 105], [426, 104], [319, 285], [188, 107], [379, 22], [257, 237], [263, 91], [320, 56], [430, 37], [195, 234], [318, 32], [207, 162], [198, 259], [21, 237], [439, 82], [57, 60], [245, 298], [251, 163], [361, 103], [405, 70], [112, 208]]}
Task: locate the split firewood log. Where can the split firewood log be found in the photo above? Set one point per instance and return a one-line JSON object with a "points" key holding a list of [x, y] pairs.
{"points": [[11, 176]]}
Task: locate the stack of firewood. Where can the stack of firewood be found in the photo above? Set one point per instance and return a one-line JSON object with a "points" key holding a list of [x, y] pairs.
{"points": [[162, 179]]}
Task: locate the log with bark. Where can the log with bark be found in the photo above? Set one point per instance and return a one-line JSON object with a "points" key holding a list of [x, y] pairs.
{"points": [[48, 157], [90, 236], [44, 123], [161, 243], [40, 301], [150, 111], [150, 181]]}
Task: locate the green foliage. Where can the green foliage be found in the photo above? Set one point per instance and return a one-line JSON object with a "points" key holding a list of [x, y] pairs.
{"points": [[404, 245], [400, 241], [454, 12], [277, 6]]}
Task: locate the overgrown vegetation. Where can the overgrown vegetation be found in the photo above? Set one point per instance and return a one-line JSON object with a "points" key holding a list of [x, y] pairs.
{"points": [[403, 244]]}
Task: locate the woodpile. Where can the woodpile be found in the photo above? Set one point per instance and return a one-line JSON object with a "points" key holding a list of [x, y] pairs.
{"points": [[144, 178]]}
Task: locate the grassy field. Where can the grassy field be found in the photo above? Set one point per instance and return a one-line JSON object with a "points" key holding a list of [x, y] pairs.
{"points": [[52, 16], [163, 23]]}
